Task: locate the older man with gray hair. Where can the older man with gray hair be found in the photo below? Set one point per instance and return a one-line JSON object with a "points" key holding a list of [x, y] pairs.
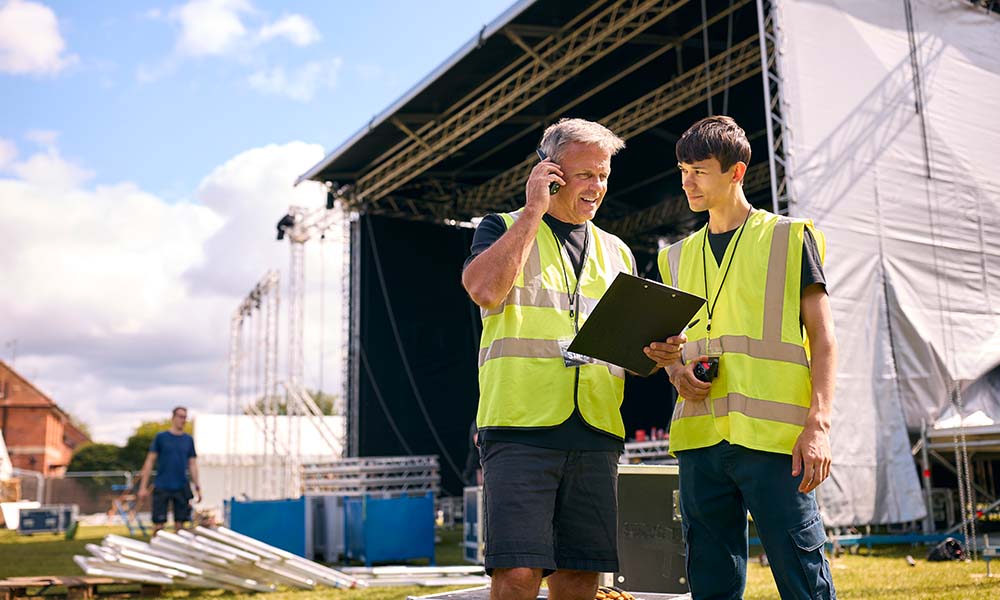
{"points": [[550, 429]]}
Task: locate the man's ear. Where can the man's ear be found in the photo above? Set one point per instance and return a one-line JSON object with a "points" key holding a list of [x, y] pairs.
{"points": [[739, 171]]}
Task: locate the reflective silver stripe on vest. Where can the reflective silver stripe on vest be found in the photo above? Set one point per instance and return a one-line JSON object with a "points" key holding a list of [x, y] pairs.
{"points": [[741, 344], [774, 289], [519, 348], [690, 408], [532, 348], [533, 265], [540, 298], [760, 409], [752, 407], [674, 262]]}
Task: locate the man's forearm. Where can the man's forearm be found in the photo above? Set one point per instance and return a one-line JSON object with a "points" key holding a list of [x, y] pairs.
{"points": [[490, 276], [193, 468], [147, 468], [822, 371]]}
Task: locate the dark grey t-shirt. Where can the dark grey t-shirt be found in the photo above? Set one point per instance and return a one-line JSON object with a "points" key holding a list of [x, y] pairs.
{"points": [[573, 433]]}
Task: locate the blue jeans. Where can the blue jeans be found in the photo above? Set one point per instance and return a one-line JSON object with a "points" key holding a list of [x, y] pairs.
{"points": [[718, 485]]}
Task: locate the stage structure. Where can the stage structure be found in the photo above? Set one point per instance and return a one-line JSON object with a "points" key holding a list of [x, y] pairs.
{"points": [[460, 144], [289, 428]]}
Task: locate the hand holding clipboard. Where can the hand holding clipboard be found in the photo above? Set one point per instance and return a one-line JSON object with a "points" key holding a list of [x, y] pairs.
{"points": [[634, 313]]}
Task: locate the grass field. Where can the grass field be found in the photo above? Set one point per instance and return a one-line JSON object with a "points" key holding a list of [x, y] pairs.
{"points": [[880, 575]]}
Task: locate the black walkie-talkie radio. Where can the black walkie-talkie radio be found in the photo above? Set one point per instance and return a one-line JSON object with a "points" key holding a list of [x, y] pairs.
{"points": [[553, 186]]}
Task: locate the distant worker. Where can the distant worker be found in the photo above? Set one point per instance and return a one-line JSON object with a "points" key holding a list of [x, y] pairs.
{"points": [[751, 428], [172, 452], [550, 429]]}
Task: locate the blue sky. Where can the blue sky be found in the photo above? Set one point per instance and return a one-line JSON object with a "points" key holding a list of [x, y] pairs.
{"points": [[137, 102], [146, 151]]}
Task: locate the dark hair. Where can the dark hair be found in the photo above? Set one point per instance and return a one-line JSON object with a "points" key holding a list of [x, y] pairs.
{"points": [[714, 137], [177, 408]]}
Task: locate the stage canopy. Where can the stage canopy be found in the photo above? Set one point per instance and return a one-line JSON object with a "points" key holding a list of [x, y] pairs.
{"points": [[879, 120]]}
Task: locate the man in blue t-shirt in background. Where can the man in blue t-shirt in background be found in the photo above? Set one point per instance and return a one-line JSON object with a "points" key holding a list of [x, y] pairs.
{"points": [[173, 453]]}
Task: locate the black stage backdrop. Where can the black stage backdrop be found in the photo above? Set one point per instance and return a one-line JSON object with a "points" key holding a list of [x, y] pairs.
{"points": [[419, 339]]}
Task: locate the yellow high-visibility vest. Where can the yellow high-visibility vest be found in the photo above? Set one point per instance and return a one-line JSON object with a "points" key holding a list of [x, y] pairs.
{"points": [[523, 381], [761, 396]]}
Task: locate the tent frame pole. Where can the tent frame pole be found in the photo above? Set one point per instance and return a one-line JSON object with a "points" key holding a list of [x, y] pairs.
{"points": [[775, 107]]}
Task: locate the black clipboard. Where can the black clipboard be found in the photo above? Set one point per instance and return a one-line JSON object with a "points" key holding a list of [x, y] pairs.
{"points": [[631, 314]]}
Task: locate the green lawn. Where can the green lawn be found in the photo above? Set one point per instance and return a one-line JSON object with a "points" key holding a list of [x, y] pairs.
{"points": [[880, 575]]}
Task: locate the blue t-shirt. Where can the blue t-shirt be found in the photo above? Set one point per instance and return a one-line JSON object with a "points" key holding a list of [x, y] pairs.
{"points": [[173, 452]]}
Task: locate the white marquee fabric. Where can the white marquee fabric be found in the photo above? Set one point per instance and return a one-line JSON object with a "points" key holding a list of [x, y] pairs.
{"points": [[913, 262], [6, 468]]}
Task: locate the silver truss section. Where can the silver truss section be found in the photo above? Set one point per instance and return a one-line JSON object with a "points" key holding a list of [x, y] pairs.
{"points": [[775, 106], [651, 453], [307, 407], [374, 476], [252, 375], [504, 192], [631, 120], [553, 60], [209, 558], [675, 209]]}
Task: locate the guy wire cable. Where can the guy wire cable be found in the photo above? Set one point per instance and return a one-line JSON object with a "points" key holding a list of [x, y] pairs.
{"points": [[381, 401]]}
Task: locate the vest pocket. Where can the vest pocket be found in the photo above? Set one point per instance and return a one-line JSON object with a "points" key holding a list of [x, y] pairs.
{"points": [[809, 539]]}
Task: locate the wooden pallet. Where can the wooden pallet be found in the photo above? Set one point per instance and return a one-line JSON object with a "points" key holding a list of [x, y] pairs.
{"points": [[73, 588]]}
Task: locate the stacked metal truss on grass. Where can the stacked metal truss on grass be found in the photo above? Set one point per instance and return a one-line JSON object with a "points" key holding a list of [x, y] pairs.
{"points": [[392, 576], [383, 476], [208, 558]]}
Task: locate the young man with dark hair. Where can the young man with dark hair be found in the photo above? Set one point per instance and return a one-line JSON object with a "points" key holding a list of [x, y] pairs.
{"points": [[172, 452], [756, 437]]}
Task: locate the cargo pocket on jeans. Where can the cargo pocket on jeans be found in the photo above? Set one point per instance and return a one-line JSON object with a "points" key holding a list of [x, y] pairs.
{"points": [[809, 539]]}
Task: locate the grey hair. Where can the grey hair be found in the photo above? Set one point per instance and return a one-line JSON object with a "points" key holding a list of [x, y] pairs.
{"points": [[567, 131]]}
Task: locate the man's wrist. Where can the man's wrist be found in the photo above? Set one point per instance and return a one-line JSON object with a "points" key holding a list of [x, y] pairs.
{"points": [[815, 424]]}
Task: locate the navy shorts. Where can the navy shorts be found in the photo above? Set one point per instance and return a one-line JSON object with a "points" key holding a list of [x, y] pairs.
{"points": [[549, 509], [178, 501]]}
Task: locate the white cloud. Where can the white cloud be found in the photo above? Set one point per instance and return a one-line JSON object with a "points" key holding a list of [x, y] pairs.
{"points": [[8, 152], [43, 137], [211, 27], [30, 42], [123, 300], [296, 28], [219, 27], [300, 84], [49, 171]]}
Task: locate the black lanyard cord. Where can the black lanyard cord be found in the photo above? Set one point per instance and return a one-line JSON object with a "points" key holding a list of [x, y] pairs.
{"points": [[573, 296], [710, 307]]}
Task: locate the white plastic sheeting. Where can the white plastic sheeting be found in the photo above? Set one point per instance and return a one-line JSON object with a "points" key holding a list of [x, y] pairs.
{"points": [[913, 261], [6, 468]]}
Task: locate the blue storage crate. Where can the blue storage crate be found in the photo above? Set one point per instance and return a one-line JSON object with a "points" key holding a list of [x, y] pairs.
{"points": [[389, 529], [281, 523], [55, 518]]}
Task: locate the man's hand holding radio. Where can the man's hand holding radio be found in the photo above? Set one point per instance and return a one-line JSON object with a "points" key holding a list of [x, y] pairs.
{"points": [[536, 190], [683, 378]]}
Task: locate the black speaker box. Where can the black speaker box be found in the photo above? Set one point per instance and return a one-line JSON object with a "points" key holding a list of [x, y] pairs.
{"points": [[650, 540]]}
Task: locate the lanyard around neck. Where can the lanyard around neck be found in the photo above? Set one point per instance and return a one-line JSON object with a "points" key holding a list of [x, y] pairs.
{"points": [[574, 296], [710, 306]]}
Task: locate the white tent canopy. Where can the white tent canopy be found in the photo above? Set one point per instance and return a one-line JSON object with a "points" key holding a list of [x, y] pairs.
{"points": [[6, 468], [911, 209]]}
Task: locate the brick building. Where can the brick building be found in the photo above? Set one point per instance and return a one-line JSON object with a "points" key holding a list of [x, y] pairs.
{"points": [[39, 435]]}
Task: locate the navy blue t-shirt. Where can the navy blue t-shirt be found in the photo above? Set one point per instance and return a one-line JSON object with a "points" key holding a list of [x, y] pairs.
{"points": [[173, 452]]}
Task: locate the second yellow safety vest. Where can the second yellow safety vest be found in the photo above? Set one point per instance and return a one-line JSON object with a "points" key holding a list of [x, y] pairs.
{"points": [[761, 396]]}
